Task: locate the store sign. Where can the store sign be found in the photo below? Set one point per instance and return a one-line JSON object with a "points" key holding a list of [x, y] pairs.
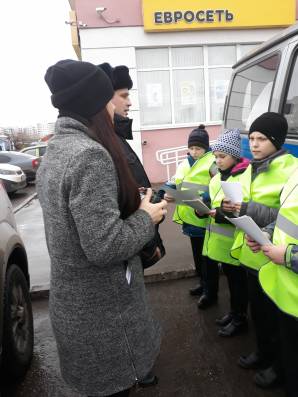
{"points": [[165, 15]]}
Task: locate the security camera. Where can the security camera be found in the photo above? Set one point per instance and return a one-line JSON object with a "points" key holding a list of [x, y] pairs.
{"points": [[99, 10]]}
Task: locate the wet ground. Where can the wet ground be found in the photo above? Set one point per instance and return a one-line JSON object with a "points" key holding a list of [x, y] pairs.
{"points": [[21, 195], [194, 361]]}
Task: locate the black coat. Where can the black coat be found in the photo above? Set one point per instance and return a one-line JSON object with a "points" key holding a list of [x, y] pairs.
{"points": [[123, 130]]}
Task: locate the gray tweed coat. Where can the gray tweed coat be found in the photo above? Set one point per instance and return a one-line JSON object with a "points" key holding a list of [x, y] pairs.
{"points": [[106, 336]]}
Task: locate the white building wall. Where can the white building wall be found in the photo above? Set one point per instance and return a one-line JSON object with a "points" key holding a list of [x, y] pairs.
{"points": [[117, 47]]}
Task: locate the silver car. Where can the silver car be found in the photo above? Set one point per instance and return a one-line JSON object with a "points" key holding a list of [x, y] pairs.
{"points": [[16, 322], [29, 164], [12, 177]]}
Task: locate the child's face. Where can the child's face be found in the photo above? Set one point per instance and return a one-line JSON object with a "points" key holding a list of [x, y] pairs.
{"points": [[196, 152], [224, 161], [260, 146]]}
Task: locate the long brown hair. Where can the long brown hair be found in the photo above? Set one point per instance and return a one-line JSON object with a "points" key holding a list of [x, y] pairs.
{"points": [[102, 130]]}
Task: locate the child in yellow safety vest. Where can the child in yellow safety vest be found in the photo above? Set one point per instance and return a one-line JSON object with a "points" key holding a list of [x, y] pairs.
{"points": [[220, 232], [266, 177], [279, 278], [194, 173]]}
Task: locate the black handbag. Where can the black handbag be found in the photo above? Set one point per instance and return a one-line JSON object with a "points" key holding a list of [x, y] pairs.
{"points": [[148, 255]]}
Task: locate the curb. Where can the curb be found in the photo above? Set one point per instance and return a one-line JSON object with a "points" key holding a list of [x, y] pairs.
{"points": [[24, 203], [42, 291], [167, 276]]}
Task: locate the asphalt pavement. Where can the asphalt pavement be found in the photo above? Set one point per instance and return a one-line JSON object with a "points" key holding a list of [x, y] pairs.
{"points": [[194, 361], [177, 263], [20, 196]]}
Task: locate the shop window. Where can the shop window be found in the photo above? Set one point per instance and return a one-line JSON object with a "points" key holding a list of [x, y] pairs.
{"points": [[291, 104], [150, 58], [184, 85], [182, 56], [219, 79], [154, 97], [221, 55], [189, 96], [246, 48]]}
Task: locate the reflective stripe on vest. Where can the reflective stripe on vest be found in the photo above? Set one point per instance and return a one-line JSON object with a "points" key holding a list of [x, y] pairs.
{"points": [[197, 177], [265, 189], [288, 227], [194, 186], [279, 282], [227, 232]]}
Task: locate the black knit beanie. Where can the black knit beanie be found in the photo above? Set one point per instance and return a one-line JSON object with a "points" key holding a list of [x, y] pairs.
{"points": [[199, 137], [273, 125], [78, 87], [119, 76], [108, 69]]}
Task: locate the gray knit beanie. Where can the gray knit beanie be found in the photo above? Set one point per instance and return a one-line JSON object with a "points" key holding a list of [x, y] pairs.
{"points": [[229, 142]]}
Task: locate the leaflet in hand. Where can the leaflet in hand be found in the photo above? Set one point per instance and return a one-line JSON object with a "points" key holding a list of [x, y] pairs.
{"points": [[198, 205], [232, 191], [187, 197], [180, 195], [248, 225]]}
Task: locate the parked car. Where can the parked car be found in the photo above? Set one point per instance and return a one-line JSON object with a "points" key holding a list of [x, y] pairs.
{"points": [[29, 164], [16, 321], [13, 178], [36, 150]]}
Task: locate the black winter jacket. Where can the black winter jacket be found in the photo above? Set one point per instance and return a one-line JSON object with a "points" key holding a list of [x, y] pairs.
{"points": [[123, 130]]}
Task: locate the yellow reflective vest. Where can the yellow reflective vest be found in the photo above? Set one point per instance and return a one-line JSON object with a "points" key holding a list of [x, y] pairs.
{"points": [[219, 238], [264, 189], [279, 282], [194, 178]]}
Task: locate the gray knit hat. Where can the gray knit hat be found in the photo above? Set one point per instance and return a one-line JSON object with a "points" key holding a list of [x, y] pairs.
{"points": [[229, 142]]}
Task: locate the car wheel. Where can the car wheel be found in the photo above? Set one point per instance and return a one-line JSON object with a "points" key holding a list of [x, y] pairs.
{"points": [[18, 324]]}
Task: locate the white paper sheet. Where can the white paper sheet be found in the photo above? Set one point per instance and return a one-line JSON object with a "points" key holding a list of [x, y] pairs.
{"points": [[198, 205], [248, 225], [187, 197], [180, 195], [232, 191]]}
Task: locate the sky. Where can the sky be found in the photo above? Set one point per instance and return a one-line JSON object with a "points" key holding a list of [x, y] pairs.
{"points": [[33, 36]]}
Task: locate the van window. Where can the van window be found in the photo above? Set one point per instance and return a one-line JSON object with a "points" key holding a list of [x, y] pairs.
{"points": [[251, 93], [291, 104]]}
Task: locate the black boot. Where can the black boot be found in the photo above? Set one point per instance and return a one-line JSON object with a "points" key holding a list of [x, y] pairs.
{"points": [[149, 380], [197, 290], [225, 320], [233, 328], [206, 301], [250, 361], [267, 378]]}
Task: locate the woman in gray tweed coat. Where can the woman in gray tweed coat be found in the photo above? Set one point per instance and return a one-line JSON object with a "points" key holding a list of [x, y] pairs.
{"points": [[95, 227]]}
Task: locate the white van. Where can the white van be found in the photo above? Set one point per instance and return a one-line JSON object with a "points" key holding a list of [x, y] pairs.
{"points": [[264, 80]]}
